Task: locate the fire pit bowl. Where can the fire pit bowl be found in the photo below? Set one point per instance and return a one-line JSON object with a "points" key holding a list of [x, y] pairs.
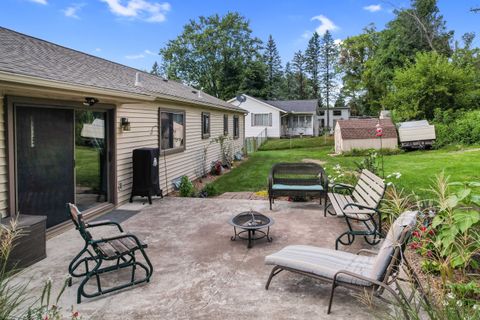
{"points": [[251, 222]]}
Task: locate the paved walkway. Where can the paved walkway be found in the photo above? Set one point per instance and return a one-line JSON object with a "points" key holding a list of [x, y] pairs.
{"points": [[201, 274]]}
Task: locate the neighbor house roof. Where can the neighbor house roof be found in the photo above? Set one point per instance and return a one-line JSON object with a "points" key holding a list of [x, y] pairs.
{"points": [[366, 128], [28, 56], [296, 106]]}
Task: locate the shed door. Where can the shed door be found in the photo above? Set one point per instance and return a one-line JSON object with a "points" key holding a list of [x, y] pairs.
{"points": [[45, 163]]}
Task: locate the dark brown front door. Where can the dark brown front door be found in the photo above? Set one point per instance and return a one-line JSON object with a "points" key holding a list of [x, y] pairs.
{"points": [[44, 162]]}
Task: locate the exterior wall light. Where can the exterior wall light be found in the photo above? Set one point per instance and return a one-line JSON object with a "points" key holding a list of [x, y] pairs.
{"points": [[125, 124]]}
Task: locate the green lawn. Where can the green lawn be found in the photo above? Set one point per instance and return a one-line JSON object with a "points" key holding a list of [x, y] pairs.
{"points": [[417, 167], [87, 163]]}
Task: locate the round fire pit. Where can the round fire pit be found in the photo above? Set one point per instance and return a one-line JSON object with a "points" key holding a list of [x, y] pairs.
{"points": [[251, 222]]}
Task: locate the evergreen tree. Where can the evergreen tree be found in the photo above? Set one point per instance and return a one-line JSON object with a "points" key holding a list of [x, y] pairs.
{"points": [[312, 59], [155, 69], [288, 83], [274, 70], [328, 68], [298, 68]]}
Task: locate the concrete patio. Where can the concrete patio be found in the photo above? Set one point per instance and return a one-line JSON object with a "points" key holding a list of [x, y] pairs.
{"points": [[200, 274]]}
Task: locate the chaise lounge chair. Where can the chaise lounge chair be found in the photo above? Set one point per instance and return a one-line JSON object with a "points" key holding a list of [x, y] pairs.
{"points": [[117, 252], [355, 271]]}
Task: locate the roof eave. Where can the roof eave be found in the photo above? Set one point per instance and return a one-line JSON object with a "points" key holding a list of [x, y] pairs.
{"points": [[55, 84]]}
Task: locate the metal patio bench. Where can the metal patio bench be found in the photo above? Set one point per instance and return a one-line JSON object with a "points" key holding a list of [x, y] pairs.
{"points": [[106, 254], [360, 206], [374, 273], [297, 179]]}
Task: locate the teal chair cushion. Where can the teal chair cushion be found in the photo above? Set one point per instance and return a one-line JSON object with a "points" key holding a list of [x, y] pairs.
{"points": [[313, 187]]}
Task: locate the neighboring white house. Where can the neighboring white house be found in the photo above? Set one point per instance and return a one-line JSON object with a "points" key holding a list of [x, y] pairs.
{"points": [[261, 116], [283, 118], [361, 134], [337, 113]]}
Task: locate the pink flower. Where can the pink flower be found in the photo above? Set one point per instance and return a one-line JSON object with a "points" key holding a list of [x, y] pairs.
{"points": [[416, 234], [75, 314], [423, 228]]}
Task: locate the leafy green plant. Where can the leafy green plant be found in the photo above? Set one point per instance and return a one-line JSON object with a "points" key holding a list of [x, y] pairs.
{"points": [[370, 162], [451, 237], [186, 187], [209, 190], [396, 202]]}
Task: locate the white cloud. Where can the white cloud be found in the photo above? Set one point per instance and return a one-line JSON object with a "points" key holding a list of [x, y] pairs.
{"points": [[72, 11], [139, 9], [325, 24], [140, 55], [40, 1], [135, 56], [338, 41], [373, 8], [98, 49]]}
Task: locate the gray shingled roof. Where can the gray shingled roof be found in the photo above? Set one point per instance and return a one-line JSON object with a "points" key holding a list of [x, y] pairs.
{"points": [[309, 106], [25, 55]]}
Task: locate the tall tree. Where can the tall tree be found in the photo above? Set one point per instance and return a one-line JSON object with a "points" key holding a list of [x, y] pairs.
{"points": [[254, 82], [312, 58], [212, 53], [274, 69], [420, 28], [355, 53], [328, 68], [155, 69], [298, 68], [289, 83]]}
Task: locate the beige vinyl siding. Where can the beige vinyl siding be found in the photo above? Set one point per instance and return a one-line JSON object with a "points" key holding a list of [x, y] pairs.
{"points": [[144, 133], [3, 163], [363, 144]]}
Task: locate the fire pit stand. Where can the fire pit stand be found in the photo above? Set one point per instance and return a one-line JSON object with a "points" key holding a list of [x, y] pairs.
{"points": [[251, 222]]}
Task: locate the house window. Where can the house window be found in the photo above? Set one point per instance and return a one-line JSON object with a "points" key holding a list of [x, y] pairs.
{"points": [[321, 113], [236, 127], [301, 121], [205, 125], [225, 124], [337, 112], [261, 119], [172, 131]]}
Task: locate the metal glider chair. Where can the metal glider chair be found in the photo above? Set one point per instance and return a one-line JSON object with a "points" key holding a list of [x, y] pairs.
{"points": [[360, 206], [373, 274], [100, 256]]}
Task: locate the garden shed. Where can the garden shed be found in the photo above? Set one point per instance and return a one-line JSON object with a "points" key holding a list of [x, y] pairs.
{"points": [[362, 134]]}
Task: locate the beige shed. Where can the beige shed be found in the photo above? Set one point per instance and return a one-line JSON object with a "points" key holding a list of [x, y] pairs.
{"points": [[361, 134]]}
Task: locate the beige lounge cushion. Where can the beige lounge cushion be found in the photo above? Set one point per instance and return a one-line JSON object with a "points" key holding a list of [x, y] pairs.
{"points": [[382, 260], [323, 262]]}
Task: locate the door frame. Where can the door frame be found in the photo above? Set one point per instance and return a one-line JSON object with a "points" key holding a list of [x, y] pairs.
{"points": [[12, 102]]}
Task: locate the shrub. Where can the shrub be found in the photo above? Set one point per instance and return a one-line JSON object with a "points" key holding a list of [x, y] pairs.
{"points": [[209, 190], [370, 162], [464, 129], [186, 187]]}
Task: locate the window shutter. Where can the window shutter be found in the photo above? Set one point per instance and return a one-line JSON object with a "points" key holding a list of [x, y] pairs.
{"points": [[270, 119], [253, 119]]}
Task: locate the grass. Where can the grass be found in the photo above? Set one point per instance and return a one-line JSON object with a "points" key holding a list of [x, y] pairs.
{"points": [[87, 167], [307, 142], [417, 167]]}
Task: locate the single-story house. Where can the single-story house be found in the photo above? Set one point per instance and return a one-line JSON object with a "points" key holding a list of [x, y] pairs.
{"points": [[362, 134], [285, 118], [71, 120], [335, 114]]}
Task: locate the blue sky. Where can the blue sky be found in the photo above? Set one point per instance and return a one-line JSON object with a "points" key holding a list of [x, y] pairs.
{"points": [[131, 32]]}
